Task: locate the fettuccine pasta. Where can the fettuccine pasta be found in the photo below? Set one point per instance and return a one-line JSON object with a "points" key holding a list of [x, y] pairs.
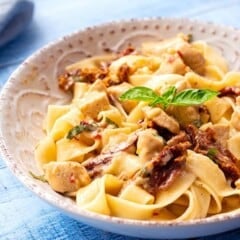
{"points": [[151, 133]]}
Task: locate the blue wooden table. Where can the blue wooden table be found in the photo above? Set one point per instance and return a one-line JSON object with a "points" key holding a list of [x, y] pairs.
{"points": [[22, 214]]}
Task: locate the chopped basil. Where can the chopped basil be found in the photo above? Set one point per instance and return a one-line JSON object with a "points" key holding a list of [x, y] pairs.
{"points": [[212, 153], [83, 126]]}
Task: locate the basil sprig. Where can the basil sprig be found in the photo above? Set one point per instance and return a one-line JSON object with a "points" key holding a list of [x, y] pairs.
{"points": [[186, 97]]}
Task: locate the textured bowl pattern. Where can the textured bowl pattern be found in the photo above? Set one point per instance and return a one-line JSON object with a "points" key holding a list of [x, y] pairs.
{"points": [[33, 86]]}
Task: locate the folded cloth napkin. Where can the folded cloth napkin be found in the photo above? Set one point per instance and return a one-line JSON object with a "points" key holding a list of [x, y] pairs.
{"points": [[15, 15]]}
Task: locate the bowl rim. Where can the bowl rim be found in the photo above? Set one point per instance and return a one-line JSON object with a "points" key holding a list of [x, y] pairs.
{"points": [[8, 158]]}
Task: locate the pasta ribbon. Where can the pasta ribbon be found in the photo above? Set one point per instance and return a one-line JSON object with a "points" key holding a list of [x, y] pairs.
{"points": [[93, 197], [151, 133]]}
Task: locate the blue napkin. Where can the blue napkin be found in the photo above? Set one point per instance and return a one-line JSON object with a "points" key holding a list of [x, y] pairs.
{"points": [[15, 15]]}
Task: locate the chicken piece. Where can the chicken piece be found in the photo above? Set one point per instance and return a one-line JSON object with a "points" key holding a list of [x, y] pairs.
{"points": [[93, 103], [221, 133], [172, 63], [162, 119], [118, 90], [66, 176], [192, 58], [149, 143], [185, 115]]}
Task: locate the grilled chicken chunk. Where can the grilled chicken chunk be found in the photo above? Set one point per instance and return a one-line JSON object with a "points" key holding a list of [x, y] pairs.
{"points": [[66, 176]]}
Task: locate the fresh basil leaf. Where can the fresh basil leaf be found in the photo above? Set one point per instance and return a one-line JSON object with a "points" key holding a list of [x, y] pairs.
{"points": [[166, 97], [169, 94], [83, 126], [193, 97], [159, 100], [140, 94]]}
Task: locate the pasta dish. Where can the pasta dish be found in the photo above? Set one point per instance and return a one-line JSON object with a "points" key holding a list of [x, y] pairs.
{"points": [[151, 133]]}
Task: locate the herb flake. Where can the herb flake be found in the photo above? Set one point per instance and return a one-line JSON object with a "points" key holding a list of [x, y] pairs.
{"points": [[83, 126], [212, 153]]}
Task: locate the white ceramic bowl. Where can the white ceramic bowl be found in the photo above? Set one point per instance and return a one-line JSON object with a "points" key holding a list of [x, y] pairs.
{"points": [[26, 95]]}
